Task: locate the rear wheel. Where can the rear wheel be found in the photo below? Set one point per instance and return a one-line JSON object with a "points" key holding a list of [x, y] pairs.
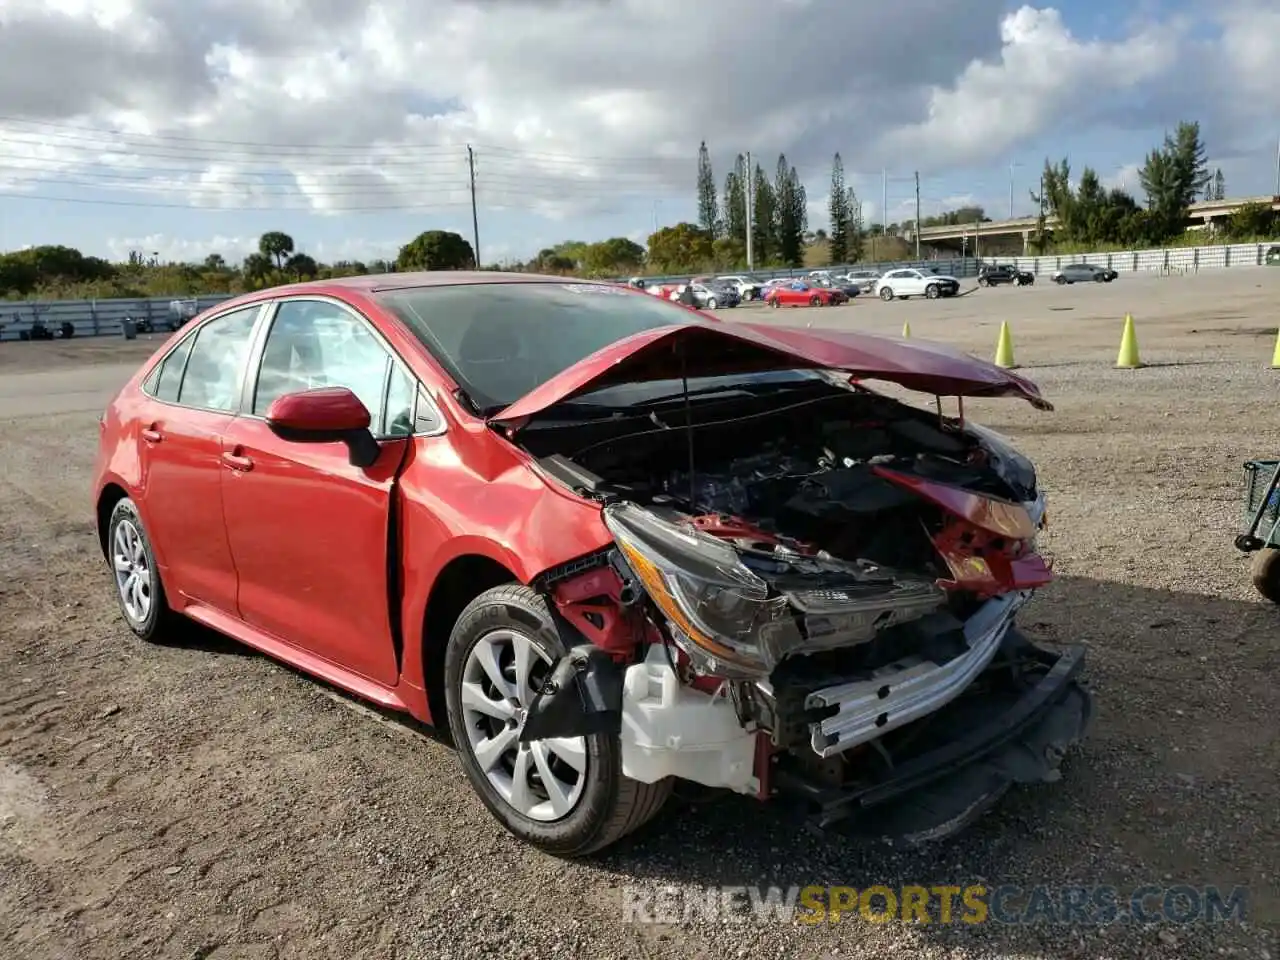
{"points": [[1266, 573], [567, 795], [886, 294], [712, 303], [1060, 280], [815, 301], [139, 592]]}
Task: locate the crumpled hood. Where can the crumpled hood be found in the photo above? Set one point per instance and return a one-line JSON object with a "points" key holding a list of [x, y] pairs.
{"points": [[701, 348]]}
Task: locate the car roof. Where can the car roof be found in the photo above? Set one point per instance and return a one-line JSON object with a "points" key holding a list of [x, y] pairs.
{"points": [[383, 282]]}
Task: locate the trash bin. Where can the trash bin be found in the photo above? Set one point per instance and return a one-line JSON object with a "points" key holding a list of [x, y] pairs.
{"points": [[130, 329]]}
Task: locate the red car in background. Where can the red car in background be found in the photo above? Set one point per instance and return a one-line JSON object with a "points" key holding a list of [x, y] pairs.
{"points": [[799, 293], [608, 542]]}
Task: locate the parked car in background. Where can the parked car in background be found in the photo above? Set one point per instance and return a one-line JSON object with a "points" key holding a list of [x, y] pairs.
{"points": [[805, 293], [748, 289], [992, 275], [444, 493], [916, 282], [712, 295], [850, 290], [866, 279], [1082, 273]]}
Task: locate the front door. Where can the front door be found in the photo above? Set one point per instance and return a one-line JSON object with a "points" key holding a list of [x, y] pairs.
{"points": [[187, 408], [308, 531]]}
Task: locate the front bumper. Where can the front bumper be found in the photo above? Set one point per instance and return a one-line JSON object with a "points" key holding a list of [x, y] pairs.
{"points": [[977, 747]]}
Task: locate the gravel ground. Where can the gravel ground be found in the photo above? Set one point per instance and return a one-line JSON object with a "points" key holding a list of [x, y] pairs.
{"points": [[201, 801]]}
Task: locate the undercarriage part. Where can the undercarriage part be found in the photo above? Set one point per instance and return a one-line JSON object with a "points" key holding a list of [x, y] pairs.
{"points": [[930, 779], [582, 696]]}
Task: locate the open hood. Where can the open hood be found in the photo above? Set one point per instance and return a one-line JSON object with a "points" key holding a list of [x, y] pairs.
{"points": [[698, 349]]}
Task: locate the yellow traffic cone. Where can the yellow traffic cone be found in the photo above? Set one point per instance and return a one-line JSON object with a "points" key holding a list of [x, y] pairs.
{"points": [[1275, 357], [906, 330], [1128, 358], [1004, 348]]}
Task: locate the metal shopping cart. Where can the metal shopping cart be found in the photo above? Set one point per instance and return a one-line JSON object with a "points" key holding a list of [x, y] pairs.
{"points": [[1262, 538]]}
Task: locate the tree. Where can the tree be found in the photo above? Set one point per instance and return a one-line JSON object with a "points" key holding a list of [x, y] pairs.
{"points": [[790, 213], [436, 250], [301, 267], [734, 213], [611, 257], [215, 261], [685, 246], [838, 214], [708, 206], [276, 245], [855, 229], [1217, 188], [1174, 175], [763, 237], [1252, 220]]}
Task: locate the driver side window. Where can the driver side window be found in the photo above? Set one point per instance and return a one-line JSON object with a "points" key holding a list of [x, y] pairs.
{"points": [[314, 343]]}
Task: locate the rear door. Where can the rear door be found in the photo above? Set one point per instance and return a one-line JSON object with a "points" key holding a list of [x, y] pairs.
{"points": [[309, 532], [191, 399]]}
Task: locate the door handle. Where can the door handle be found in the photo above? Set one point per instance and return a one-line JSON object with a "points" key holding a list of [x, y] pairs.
{"points": [[236, 462], [152, 435]]}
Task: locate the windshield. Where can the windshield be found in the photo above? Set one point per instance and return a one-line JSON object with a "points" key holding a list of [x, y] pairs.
{"points": [[501, 340]]}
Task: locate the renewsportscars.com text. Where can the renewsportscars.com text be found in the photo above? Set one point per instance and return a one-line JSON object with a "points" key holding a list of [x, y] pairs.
{"points": [[937, 903]]}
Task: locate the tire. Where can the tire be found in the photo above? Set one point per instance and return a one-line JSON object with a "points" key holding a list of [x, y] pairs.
{"points": [[128, 544], [1266, 573], [774, 302], [712, 303], [1060, 280], [1100, 278], [604, 806], [886, 294], [982, 281], [931, 291], [815, 301]]}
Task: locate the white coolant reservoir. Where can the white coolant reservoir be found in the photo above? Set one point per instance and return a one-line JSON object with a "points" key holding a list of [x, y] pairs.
{"points": [[672, 730]]}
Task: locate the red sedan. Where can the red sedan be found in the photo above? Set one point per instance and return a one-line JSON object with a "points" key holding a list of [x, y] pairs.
{"points": [[801, 294], [608, 542]]}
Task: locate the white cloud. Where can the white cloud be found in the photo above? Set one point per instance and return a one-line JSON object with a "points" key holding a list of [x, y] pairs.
{"points": [[1045, 77], [169, 249]]}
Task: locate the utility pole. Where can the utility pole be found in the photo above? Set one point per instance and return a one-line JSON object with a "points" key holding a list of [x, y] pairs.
{"points": [[475, 219], [917, 214], [1011, 166], [1278, 168], [748, 196], [884, 202]]}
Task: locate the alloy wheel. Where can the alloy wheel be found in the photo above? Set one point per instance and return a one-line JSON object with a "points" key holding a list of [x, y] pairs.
{"points": [[134, 579], [542, 780]]}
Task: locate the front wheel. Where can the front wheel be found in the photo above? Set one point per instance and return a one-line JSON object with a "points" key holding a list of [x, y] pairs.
{"points": [[1266, 573], [566, 795], [1100, 278], [931, 291], [815, 301], [982, 281], [886, 294], [774, 302]]}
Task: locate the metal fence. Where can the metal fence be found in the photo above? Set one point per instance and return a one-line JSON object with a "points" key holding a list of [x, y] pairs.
{"points": [[91, 318], [94, 318], [1170, 260]]}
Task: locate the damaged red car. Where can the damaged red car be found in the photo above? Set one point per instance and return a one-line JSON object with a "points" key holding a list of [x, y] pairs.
{"points": [[615, 547]]}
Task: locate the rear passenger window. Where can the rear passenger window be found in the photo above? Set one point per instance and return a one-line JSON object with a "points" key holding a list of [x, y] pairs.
{"points": [[216, 362], [171, 371]]}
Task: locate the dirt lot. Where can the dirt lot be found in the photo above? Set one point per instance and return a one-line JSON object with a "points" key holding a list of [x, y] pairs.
{"points": [[203, 802]]}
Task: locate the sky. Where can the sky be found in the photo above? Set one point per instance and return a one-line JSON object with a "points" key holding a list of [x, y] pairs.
{"points": [[180, 129]]}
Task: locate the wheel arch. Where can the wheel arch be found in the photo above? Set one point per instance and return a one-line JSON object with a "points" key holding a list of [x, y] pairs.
{"points": [[459, 581], [110, 494]]}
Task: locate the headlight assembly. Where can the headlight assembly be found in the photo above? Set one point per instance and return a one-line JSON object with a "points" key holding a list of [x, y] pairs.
{"points": [[721, 611]]}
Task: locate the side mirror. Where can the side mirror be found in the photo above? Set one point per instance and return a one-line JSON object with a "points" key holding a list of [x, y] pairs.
{"points": [[325, 415]]}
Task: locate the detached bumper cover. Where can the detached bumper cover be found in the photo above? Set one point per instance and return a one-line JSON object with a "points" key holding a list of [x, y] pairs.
{"points": [[979, 746]]}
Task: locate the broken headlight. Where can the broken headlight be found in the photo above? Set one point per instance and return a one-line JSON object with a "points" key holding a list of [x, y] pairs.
{"points": [[718, 608], [1011, 466]]}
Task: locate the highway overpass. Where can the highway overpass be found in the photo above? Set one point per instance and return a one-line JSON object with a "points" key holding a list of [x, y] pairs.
{"points": [[972, 235]]}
